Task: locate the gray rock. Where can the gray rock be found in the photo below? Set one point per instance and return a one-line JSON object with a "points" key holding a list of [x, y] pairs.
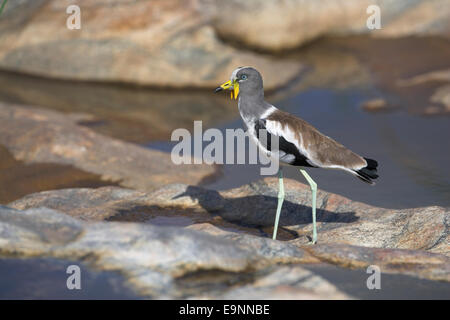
{"points": [[157, 43], [417, 263], [340, 220], [351, 234], [277, 25], [150, 257], [287, 282], [36, 136]]}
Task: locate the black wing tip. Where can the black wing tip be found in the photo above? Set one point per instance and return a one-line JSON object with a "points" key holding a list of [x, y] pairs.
{"points": [[371, 164], [369, 172], [365, 179]]}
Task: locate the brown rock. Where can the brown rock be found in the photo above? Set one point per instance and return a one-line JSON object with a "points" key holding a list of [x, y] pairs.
{"points": [[151, 258], [287, 283], [157, 43], [440, 98], [251, 208], [36, 136], [377, 105], [413, 262], [277, 25], [347, 230]]}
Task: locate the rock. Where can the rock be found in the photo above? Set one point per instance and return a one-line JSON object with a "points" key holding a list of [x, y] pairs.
{"points": [[20, 179], [152, 258], [413, 262], [350, 234], [287, 282], [252, 208], [377, 105], [340, 220], [156, 43], [440, 98], [438, 75], [278, 25], [37, 136], [118, 204], [22, 235]]}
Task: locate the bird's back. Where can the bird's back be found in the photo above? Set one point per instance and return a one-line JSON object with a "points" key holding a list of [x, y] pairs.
{"points": [[321, 150]]}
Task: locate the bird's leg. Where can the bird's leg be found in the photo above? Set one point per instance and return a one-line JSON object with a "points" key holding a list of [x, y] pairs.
{"points": [[313, 186], [280, 203]]}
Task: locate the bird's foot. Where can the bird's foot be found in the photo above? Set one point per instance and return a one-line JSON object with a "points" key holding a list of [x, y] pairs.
{"points": [[312, 240]]}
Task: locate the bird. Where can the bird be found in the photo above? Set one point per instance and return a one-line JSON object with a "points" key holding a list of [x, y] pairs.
{"points": [[299, 143]]}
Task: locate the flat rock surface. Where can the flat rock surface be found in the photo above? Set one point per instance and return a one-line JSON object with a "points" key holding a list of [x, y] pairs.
{"points": [[350, 234], [157, 261], [41, 136]]}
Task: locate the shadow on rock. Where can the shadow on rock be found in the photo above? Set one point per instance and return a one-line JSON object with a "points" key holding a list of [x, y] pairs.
{"points": [[259, 210]]}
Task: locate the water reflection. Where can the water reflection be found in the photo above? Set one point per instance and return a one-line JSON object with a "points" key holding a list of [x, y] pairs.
{"points": [[136, 114]]}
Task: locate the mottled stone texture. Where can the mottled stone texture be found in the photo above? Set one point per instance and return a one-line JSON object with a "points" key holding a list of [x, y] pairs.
{"points": [[161, 43], [212, 237], [275, 25], [36, 136]]}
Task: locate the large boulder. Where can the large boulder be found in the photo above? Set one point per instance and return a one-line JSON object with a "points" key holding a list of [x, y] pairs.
{"points": [[157, 260], [158, 43], [350, 234], [251, 208], [42, 136], [275, 25]]}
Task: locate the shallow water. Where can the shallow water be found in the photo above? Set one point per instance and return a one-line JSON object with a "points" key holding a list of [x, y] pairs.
{"points": [[45, 278], [393, 286]]}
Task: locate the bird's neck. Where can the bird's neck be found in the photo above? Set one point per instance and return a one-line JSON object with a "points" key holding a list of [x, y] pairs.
{"points": [[252, 107]]}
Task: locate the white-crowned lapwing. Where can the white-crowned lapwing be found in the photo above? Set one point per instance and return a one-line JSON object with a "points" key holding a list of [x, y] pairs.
{"points": [[299, 143]]}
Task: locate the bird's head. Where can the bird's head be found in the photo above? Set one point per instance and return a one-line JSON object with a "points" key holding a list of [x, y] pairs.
{"points": [[245, 80]]}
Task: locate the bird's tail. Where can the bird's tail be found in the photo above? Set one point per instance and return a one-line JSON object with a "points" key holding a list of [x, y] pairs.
{"points": [[369, 172]]}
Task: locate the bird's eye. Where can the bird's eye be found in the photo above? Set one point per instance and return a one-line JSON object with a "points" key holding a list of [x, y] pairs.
{"points": [[244, 77]]}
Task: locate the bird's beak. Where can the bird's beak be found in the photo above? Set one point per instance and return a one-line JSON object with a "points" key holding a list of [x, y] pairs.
{"points": [[230, 85]]}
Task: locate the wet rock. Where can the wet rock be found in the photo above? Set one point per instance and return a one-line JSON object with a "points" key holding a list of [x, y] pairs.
{"points": [[253, 207], [45, 278], [19, 179], [41, 136], [377, 105], [440, 98], [413, 262], [150, 257], [118, 204], [287, 282], [277, 25], [438, 75], [21, 234], [350, 234], [158, 43], [340, 220]]}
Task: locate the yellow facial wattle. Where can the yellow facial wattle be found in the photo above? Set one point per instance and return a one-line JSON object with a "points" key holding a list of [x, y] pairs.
{"points": [[233, 86], [235, 90]]}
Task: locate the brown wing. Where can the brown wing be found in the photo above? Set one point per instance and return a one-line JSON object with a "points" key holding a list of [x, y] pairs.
{"points": [[319, 149]]}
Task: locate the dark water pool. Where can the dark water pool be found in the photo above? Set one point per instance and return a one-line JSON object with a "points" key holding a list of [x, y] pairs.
{"points": [[45, 278]]}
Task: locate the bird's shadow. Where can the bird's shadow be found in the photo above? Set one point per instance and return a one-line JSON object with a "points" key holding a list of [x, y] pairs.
{"points": [[260, 210]]}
